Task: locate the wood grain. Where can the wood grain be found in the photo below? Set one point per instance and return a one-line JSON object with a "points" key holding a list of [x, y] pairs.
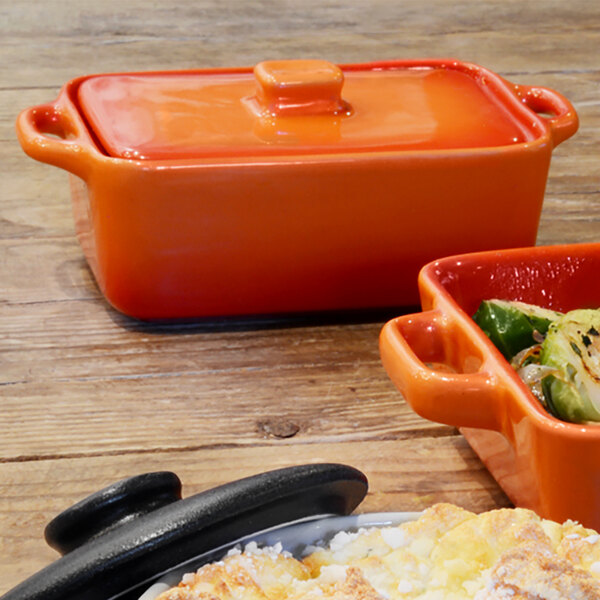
{"points": [[89, 396]]}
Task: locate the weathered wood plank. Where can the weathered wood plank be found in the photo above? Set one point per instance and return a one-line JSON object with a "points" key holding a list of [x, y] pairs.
{"points": [[116, 388], [66, 40]]}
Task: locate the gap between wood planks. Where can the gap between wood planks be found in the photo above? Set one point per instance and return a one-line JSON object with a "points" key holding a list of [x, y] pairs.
{"points": [[438, 432]]}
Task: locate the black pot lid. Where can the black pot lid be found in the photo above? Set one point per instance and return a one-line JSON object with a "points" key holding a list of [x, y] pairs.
{"points": [[124, 535]]}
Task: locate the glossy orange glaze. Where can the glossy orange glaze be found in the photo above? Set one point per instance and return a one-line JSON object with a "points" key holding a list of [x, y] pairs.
{"points": [[542, 463], [300, 110], [298, 88], [237, 233]]}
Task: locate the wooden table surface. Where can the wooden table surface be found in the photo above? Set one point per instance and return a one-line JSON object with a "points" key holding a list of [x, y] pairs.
{"points": [[89, 397]]}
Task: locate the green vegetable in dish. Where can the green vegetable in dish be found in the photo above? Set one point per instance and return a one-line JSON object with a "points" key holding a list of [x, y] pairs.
{"points": [[572, 350], [556, 355], [513, 326]]}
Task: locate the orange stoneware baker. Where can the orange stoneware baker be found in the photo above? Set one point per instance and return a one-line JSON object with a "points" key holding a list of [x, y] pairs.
{"points": [[449, 371], [297, 185]]}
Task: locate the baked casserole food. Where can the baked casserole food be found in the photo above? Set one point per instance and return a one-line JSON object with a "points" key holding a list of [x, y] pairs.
{"points": [[448, 553]]}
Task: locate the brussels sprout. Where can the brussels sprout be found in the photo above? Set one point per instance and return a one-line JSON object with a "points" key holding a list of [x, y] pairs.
{"points": [[572, 349], [512, 326]]}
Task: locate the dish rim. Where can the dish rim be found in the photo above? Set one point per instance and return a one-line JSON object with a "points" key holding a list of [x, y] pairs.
{"points": [[296, 537]]}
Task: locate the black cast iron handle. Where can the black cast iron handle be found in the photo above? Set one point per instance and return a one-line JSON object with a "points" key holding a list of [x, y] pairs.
{"points": [[151, 530], [111, 507]]}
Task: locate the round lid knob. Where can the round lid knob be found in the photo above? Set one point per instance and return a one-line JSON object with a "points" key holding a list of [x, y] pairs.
{"points": [[110, 507]]}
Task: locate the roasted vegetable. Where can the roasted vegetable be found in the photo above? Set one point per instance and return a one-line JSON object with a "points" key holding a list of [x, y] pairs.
{"points": [[513, 326], [556, 355], [571, 350]]}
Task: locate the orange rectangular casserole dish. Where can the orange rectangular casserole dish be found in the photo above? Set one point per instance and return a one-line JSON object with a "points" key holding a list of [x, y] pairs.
{"points": [[296, 185], [450, 372]]}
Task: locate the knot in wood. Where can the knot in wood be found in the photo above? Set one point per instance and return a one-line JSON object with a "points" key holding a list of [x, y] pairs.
{"points": [[278, 428]]}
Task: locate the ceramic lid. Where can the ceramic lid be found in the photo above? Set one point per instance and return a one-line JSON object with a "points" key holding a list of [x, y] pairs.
{"points": [[303, 107], [127, 534]]}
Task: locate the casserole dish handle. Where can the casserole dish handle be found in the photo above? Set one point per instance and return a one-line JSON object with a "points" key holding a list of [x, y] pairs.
{"points": [[419, 353], [563, 121], [55, 134]]}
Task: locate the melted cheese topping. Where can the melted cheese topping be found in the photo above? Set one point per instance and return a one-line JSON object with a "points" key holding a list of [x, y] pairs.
{"points": [[447, 554]]}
